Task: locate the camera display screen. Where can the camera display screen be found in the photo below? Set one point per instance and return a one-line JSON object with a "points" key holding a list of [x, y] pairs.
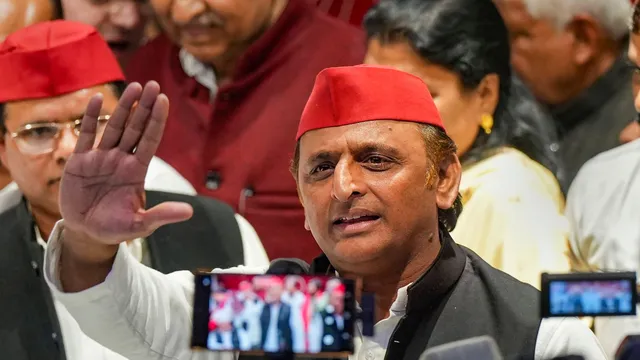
{"points": [[592, 294], [274, 313]]}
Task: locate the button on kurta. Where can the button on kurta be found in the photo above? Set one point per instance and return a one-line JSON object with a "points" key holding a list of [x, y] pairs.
{"points": [[213, 180]]}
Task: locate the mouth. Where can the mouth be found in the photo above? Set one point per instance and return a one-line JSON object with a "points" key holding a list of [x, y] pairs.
{"points": [[53, 181], [356, 222]]}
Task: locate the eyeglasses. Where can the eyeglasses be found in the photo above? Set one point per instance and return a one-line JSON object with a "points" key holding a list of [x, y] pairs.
{"points": [[42, 138]]}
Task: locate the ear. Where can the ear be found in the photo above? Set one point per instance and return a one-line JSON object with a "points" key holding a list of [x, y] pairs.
{"points": [[450, 171], [587, 35], [488, 93]]}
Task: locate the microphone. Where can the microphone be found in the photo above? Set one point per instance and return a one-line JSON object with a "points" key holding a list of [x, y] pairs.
{"points": [[629, 348], [288, 266], [476, 348]]}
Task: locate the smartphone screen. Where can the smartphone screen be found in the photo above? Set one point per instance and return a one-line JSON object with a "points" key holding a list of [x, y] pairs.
{"points": [[589, 294], [260, 314]]}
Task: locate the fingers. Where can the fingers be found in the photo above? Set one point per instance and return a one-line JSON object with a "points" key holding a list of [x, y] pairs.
{"points": [[164, 214], [118, 120], [139, 119], [88, 126], [152, 135]]}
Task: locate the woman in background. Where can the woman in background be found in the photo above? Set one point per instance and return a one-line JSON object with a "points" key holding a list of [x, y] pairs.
{"points": [[513, 205]]}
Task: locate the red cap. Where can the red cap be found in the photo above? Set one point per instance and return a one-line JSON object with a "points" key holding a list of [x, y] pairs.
{"points": [[354, 94], [54, 58]]}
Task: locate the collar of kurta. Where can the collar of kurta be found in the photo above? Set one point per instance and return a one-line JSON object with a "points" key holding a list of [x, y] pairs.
{"points": [[578, 110], [426, 293]]}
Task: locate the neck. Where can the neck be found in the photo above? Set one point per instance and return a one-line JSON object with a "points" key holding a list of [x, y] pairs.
{"points": [[385, 281], [45, 221], [226, 64]]}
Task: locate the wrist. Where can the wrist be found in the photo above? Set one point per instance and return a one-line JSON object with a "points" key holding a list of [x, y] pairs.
{"points": [[83, 249], [84, 262]]}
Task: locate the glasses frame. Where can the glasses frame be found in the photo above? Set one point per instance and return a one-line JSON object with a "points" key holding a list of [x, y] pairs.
{"points": [[73, 124]]}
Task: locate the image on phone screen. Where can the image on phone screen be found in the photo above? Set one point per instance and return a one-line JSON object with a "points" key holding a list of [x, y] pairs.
{"points": [[259, 314], [594, 294]]}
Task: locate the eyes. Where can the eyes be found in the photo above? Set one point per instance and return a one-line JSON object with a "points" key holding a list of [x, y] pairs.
{"points": [[373, 162]]}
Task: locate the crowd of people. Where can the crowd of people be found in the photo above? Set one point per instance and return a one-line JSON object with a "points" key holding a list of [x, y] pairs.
{"points": [[435, 145], [278, 314], [585, 297]]}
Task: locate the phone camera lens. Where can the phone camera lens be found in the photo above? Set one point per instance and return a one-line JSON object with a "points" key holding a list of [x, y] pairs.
{"points": [[206, 281]]}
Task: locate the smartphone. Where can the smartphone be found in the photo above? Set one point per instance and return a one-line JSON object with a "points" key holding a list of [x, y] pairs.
{"points": [[258, 314], [588, 294]]}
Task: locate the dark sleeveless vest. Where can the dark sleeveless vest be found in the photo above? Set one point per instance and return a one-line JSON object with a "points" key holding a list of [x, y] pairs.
{"points": [[29, 327], [460, 297]]}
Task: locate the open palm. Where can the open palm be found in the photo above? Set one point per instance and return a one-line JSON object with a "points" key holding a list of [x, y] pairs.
{"points": [[102, 189]]}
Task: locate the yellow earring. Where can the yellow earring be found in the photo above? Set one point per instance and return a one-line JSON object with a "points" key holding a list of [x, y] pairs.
{"points": [[486, 123]]}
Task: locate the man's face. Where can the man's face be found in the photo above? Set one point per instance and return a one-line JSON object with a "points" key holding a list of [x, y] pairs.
{"points": [[336, 299], [121, 22], [274, 293], [364, 190], [541, 54], [16, 14], [632, 131], [38, 176], [209, 29]]}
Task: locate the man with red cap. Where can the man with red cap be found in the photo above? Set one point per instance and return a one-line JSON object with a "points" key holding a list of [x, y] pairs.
{"points": [[48, 73], [378, 178]]}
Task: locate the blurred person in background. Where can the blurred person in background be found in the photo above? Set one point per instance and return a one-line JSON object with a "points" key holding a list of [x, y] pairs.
{"points": [[351, 11], [40, 118], [570, 54], [122, 23], [238, 73], [16, 14], [513, 207], [603, 211]]}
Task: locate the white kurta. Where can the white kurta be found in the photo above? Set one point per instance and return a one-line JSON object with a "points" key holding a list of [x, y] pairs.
{"points": [[603, 209], [144, 314], [160, 177]]}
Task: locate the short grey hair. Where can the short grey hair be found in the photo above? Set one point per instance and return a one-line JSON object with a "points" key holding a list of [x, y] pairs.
{"points": [[613, 15]]}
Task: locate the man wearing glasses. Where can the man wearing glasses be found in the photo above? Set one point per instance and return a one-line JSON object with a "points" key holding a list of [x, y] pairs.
{"points": [[48, 73]]}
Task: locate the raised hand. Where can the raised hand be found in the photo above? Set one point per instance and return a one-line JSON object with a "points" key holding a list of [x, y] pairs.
{"points": [[102, 189]]}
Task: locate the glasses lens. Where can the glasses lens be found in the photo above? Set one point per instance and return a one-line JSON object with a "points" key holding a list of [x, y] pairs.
{"points": [[37, 138]]}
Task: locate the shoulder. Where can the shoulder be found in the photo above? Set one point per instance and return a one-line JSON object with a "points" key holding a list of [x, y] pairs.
{"points": [[567, 336], [506, 284], [608, 169], [158, 48], [508, 175], [337, 35], [10, 196], [163, 177]]}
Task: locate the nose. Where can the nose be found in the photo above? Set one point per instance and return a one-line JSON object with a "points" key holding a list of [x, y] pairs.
{"points": [[347, 181], [183, 11], [125, 14], [66, 143]]}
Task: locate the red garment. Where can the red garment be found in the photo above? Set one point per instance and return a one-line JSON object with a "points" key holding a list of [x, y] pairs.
{"points": [[351, 11], [353, 94], [238, 150]]}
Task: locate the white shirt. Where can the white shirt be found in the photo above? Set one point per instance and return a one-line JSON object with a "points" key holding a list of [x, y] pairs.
{"points": [[126, 312], [603, 209], [160, 177]]}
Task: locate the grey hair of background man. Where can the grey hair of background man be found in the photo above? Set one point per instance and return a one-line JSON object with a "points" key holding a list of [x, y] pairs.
{"points": [[612, 15]]}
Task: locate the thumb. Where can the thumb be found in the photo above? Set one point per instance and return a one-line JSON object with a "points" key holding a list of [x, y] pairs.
{"points": [[165, 213]]}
